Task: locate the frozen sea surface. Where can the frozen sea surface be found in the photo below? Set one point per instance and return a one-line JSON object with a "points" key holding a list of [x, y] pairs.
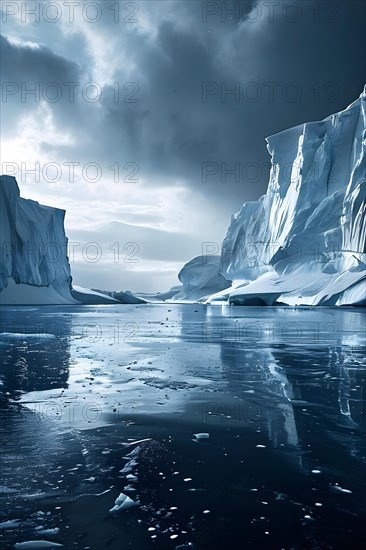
{"points": [[228, 427]]}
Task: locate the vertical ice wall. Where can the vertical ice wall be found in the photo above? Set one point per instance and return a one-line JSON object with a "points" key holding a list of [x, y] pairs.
{"points": [[34, 267], [312, 219]]}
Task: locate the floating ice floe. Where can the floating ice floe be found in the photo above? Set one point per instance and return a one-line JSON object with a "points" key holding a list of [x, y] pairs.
{"points": [[123, 502], [7, 490], [340, 489], [24, 336], [129, 466], [129, 487], [36, 544], [201, 436], [131, 477], [10, 524]]}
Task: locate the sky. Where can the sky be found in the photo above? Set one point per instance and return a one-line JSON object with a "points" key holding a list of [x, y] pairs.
{"points": [[146, 121]]}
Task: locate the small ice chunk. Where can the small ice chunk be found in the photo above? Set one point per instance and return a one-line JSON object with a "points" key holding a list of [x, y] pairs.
{"points": [[36, 544], [340, 489], [136, 443], [129, 487], [131, 477], [129, 466], [7, 490], [10, 524], [260, 446], [122, 502], [316, 471], [24, 336], [133, 454], [201, 436]]}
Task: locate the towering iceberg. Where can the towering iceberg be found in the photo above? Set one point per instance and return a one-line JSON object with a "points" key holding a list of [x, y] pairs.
{"points": [[304, 242], [34, 267]]}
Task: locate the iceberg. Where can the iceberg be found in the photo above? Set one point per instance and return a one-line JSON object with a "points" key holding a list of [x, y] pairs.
{"points": [[34, 267], [89, 296], [304, 241], [123, 297], [93, 296], [161, 296], [200, 278]]}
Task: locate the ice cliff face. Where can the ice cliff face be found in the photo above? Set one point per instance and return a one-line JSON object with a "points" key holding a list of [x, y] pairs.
{"points": [[201, 277], [304, 241], [34, 267]]}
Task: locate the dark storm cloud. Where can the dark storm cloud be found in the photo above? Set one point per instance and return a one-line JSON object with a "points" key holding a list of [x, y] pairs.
{"points": [[287, 62], [316, 60], [20, 63], [313, 64], [29, 74]]}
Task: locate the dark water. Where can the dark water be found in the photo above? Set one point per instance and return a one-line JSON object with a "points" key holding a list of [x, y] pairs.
{"points": [[280, 392]]}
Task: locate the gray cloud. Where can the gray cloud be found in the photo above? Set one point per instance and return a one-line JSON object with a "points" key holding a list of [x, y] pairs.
{"points": [[20, 63], [170, 132]]}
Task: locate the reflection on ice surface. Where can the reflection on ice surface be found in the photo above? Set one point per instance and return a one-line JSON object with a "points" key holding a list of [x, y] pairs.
{"points": [[263, 407]]}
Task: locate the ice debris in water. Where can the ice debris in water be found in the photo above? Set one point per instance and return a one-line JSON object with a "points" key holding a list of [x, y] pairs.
{"points": [[340, 489], [122, 502], [36, 544], [10, 524], [131, 477], [201, 436], [25, 336]]}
